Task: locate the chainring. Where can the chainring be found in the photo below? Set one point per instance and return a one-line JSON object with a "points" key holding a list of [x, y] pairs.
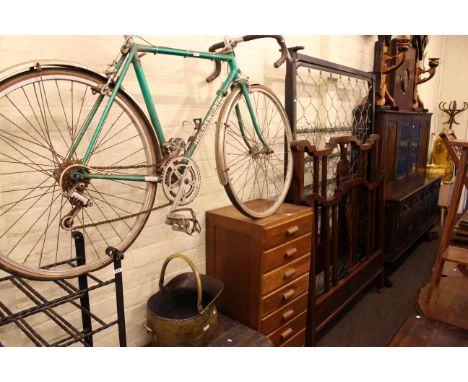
{"points": [[172, 174]]}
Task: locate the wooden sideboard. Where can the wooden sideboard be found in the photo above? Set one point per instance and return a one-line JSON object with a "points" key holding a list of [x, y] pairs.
{"points": [[410, 211], [264, 265], [410, 195]]}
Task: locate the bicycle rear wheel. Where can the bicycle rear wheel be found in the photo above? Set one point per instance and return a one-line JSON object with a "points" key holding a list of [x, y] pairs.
{"points": [[256, 179], [41, 114]]}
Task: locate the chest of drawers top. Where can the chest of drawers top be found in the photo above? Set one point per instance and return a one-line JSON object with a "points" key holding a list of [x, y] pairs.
{"points": [[288, 223]]}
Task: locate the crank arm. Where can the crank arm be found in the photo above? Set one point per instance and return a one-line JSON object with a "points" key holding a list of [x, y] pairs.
{"points": [[180, 194]]}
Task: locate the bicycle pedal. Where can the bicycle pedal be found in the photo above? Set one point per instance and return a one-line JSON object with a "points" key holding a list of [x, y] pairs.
{"points": [[183, 223]]}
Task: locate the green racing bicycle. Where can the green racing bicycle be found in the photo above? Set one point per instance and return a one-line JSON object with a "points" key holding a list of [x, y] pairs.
{"points": [[78, 153]]}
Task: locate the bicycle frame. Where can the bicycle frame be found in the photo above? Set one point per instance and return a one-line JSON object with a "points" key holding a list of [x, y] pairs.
{"points": [[131, 56]]}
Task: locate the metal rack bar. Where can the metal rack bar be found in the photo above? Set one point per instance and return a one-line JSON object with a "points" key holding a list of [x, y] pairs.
{"points": [[38, 299], [43, 305], [37, 339]]}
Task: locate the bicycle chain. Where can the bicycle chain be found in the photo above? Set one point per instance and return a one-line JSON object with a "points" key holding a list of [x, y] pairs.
{"points": [[123, 167], [110, 221]]}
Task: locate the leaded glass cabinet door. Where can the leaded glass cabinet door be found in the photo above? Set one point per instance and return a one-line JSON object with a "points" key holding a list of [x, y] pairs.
{"points": [[411, 150], [403, 149]]}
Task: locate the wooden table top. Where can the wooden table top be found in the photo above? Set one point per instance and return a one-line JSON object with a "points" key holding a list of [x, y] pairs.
{"points": [[230, 333], [424, 331]]}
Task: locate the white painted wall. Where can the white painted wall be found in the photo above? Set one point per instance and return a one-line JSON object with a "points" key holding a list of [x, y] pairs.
{"points": [[181, 93]]}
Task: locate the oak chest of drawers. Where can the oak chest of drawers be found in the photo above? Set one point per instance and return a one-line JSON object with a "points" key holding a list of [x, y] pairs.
{"points": [[264, 265]]}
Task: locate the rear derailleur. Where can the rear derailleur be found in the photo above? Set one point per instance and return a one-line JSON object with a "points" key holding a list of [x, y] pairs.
{"points": [[78, 201]]}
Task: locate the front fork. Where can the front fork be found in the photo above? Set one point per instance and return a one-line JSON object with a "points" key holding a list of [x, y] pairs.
{"points": [[246, 94]]}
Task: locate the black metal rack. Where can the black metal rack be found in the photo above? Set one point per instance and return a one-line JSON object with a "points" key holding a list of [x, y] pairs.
{"points": [[91, 324]]}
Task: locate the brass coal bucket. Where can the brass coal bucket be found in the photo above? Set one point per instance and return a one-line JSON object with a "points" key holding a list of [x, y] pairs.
{"points": [[183, 312]]}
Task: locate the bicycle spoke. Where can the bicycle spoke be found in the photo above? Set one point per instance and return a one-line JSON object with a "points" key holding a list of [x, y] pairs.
{"points": [[240, 174], [97, 227], [121, 160], [81, 221], [79, 114], [31, 197], [41, 118], [246, 177], [26, 119], [111, 206], [44, 120], [102, 142], [230, 132], [104, 215], [11, 142], [58, 231], [116, 144], [24, 213], [24, 196], [70, 129], [232, 170], [120, 197], [43, 136], [21, 138], [39, 169], [71, 86], [26, 163], [29, 229], [47, 228], [108, 203], [51, 116], [255, 180], [24, 189], [128, 185]]}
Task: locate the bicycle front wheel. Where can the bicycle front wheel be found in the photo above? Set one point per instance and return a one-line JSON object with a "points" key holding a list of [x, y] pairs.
{"points": [[255, 167], [41, 116]]}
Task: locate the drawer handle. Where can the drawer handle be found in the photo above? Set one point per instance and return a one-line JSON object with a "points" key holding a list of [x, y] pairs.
{"points": [[288, 314], [290, 252], [292, 230], [288, 294], [289, 273], [286, 334]]}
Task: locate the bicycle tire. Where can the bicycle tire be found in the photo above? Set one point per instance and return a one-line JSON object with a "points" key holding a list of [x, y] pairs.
{"points": [[230, 142], [36, 81]]}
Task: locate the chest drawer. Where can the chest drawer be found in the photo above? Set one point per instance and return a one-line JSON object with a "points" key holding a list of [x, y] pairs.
{"points": [[297, 340], [284, 295], [285, 253], [283, 315], [284, 232], [284, 274], [285, 333]]}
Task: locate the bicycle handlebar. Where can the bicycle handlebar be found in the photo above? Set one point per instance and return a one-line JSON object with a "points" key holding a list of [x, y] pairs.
{"points": [[234, 42]]}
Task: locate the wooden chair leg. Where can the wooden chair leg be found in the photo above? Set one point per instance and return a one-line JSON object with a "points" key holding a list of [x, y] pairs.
{"points": [[449, 224]]}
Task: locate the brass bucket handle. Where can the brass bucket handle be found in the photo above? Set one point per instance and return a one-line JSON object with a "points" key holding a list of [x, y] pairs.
{"points": [[195, 272]]}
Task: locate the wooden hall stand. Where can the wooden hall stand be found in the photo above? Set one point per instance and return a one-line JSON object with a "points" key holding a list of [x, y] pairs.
{"points": [[446, 299]]}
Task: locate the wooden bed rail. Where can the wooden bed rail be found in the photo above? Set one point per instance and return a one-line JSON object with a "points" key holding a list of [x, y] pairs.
{"points": [[346, 191]]}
